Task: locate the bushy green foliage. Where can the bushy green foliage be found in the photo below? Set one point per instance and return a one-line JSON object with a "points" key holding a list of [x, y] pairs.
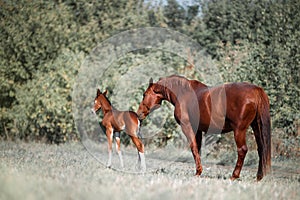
{"points": [[272, 61], [43, 44], [43, 107]]}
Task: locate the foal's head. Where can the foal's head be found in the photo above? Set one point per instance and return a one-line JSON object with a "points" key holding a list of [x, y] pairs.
{"points": [[99, 101], [152, 99]]}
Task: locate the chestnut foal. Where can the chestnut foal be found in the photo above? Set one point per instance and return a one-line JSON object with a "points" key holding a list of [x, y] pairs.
{"points": [[115, 121]]}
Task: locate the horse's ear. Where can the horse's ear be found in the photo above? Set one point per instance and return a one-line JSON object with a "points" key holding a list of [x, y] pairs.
{"points": [[104, 93], [98, 92], [150, 81]]}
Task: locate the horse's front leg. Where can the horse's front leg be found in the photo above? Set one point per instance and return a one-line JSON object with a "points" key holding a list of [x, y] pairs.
{"points": [[189, 133], [118, 148], [109, 135], [141, 156]]}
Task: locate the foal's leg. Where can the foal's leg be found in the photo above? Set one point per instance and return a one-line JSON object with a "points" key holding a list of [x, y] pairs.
{"points": [[118, 148], [141, 156], [109, 135], [240, 140]]}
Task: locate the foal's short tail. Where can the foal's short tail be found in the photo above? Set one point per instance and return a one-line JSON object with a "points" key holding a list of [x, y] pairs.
{"points": [[263, 136]]}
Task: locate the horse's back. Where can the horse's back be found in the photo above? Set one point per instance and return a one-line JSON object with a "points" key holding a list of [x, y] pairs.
{"points": [[242, 91], [130, 117], [225, 102]]}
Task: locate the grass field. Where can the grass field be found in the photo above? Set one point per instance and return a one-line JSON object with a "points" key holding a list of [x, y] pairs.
{"points": [[68, 171]]}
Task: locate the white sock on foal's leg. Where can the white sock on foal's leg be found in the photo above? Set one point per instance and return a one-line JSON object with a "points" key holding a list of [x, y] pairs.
{"points": [[142, 161], [121, 159], [109, 159]]}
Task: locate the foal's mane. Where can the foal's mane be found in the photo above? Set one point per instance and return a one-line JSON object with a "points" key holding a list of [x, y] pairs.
{"points": [[106, 98]]}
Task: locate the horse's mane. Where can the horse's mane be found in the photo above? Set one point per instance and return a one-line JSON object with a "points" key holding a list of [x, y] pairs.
{"points": [[177, 85], [174, 81], [106, 98]]}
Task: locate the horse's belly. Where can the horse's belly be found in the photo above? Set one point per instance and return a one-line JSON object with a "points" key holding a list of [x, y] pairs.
{"points": [[215, 127]]}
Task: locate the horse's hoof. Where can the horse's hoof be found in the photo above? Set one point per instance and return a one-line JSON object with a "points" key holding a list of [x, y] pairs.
{"points": [[198, 172], [232, 178], [259, 177]]}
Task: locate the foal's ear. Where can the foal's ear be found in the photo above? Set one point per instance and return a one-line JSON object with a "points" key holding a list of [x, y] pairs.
{"points": [[150, 81], [98, 92], [105, 93]]}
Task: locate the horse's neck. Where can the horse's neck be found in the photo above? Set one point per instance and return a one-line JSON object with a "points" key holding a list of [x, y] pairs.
{"points": [[196, 85], [173, 95]]}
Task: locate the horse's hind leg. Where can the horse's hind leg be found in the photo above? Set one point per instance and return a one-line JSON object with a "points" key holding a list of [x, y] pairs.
{"points": [[109, 135], [118, 148], [140, 147], [240, 139]]}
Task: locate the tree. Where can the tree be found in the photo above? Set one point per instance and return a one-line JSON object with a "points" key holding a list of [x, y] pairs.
{"points": [[175, 14]]}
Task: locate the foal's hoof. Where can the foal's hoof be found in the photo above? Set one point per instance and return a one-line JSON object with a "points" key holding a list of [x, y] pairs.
{"points": [[138, 167], [143, 169]]}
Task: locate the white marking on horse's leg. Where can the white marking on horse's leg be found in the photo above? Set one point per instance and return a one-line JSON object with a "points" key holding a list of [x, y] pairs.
{"points": [[138, 163], [119, 151], [110, 148], [109, 158], [121, 159], [142, 161]]}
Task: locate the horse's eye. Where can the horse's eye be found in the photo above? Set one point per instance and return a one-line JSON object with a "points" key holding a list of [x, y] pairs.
{"points": [[156, 91]]}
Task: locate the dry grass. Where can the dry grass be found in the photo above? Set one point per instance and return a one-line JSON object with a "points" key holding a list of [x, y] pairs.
{"points": [[40, 171]]}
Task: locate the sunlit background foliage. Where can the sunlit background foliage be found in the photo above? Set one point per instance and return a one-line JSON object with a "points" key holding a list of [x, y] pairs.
{"points": [[43, 43]]}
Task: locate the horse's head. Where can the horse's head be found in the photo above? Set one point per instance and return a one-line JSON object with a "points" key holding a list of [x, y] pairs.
{"points": [[152, 99], [98, 100]]}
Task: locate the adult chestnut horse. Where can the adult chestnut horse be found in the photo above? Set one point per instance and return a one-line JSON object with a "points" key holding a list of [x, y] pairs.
{"points": [[229, 107], [115, 121]]}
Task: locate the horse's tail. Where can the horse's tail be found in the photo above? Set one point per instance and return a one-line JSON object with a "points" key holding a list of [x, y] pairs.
{"points": [[263, 134]]}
